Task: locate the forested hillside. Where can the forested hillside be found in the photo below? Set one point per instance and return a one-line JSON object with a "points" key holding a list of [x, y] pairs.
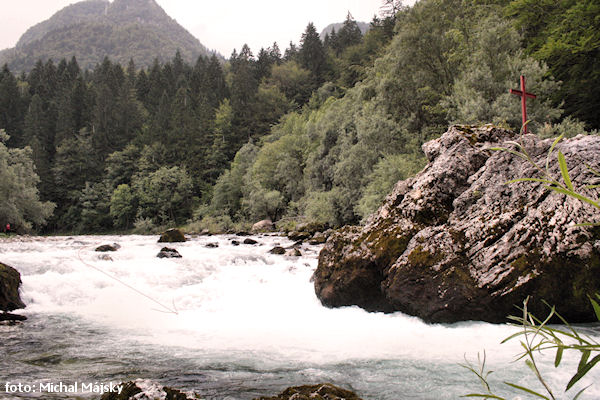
{"points": [[320, 132], [93, 29]]}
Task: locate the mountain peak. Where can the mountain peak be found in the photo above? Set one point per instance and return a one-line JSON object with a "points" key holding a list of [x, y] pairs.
{"points": [[94, 29]]}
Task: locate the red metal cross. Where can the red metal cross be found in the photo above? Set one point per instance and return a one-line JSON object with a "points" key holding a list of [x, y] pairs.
{"points": [[524, 95]]}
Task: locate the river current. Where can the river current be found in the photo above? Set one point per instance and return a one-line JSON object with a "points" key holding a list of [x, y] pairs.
{"points": [[232, 322]]}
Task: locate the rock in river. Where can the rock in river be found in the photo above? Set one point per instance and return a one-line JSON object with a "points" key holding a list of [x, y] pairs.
{"points": [[324, 391], [108, 247], [172, 236], [143, 389], [456, 242], [167, 252], [10, 280]]}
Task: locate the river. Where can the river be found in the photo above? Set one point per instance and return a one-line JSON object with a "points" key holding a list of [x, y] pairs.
{"points": [[232, 322]]}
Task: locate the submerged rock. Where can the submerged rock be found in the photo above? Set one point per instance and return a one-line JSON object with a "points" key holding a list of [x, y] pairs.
{"points": [[143, 389], [299, 236], [108, 247], [277, 250], [295, 252], [250, 241], [457, 243], [324, 391], [212, 245], [172, 236], [10, 280], [11, 317], [167, 252]]}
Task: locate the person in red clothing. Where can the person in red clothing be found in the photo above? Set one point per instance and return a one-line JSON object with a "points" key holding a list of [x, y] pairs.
{"points": [[7, 228]]}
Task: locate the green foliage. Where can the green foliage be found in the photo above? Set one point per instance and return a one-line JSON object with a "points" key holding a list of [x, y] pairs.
{"points": [[567, 128], [386, 173], [492, 65], [123, 206], [262, 204], [227, 194], [145, 226], [321, 207], [311, 54], [165, 196], [566, 36], [294, 81], [95, 206], [19, 200]]}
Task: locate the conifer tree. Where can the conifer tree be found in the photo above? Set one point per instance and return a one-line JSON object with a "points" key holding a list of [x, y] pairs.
{"points": [[11, 107], [312, 55]]}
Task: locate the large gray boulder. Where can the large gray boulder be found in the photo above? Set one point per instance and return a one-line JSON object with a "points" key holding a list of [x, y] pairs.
{"points": [[457, 243], [10, 280], [266, 225]]}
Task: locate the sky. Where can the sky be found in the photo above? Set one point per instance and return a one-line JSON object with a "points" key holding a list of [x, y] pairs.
{"points": [[219, 25]]}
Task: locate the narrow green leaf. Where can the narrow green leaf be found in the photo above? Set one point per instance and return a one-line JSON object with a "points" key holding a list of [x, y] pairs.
{"points": [[531, 366], [514, 143], [581, 392], [575, 195], [582, 371], [526, 390], [588, 224], [514, 335], [546, 181], [486, 396], [564, 170], [585, 355], [558, 139], [593, 170], [559, 354], [596, 307], [592, 186]]}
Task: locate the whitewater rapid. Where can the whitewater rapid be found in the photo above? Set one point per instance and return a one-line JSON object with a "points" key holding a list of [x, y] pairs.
{"points": [[233, 322]]}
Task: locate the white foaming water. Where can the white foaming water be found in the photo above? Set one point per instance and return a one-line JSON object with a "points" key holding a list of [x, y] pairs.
{"points": [[238, 302]]}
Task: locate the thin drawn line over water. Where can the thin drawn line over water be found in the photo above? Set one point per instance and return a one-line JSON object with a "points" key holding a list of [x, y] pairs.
{"points": [[169, 310]]}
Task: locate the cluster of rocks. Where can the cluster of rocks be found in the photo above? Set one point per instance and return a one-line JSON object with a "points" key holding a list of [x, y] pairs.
{"points": [[456, 242], [291, 251], [314, 233], [142, 389]]}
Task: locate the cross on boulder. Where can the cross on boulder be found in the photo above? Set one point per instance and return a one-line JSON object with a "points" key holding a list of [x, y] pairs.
{"points": [[524, 95]]}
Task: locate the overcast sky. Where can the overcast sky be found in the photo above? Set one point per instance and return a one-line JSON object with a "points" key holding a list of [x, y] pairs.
{"points": [[219, 25]]}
